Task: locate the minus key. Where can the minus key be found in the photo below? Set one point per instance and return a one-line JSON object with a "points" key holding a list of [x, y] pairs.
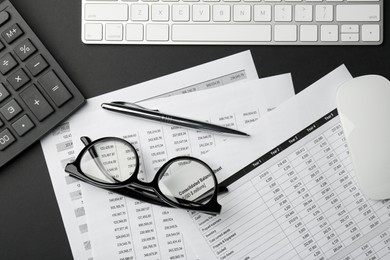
{"points": [[36, 65]]}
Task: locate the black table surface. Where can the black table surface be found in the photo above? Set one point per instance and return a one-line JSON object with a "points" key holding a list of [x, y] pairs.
{"points": [[30, 222]]}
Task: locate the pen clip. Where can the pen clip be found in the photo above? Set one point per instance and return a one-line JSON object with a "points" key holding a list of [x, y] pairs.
{"points": [[132, 105]]}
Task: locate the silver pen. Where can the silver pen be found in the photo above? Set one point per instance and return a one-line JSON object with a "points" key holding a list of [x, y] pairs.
{"points": [[142, 112]]}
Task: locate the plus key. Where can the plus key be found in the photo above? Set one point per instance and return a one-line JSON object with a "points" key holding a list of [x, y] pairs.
{"points": [[36, 102]]}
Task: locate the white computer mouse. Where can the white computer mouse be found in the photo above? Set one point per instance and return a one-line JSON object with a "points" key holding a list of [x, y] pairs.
{"points": [[363, 104]]}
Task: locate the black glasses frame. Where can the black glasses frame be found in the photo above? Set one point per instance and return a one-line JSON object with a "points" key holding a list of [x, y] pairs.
{"points": [[140, 190]]}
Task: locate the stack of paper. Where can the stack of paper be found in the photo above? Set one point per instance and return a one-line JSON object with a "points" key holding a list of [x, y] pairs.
{"points": [[292, 192]]}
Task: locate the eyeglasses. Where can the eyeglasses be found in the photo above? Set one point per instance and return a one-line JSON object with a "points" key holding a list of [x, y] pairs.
{"points": [[112, 163]]}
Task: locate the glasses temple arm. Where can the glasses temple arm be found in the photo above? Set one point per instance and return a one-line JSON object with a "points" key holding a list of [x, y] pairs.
{"points": [[222, 189], [198, 202]]}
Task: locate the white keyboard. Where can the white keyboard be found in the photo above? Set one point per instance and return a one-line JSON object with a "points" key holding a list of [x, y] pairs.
{"points": [[248, 22]]}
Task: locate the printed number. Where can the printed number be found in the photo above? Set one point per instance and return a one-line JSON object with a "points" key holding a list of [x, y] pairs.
{"points": [[4, 139]]}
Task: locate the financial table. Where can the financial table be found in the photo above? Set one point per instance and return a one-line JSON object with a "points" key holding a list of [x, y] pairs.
{"points": [[305, 205]]}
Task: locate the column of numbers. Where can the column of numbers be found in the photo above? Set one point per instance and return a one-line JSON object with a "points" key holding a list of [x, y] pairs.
{"points": [[311, 212], [333, 206], [356, 203]]}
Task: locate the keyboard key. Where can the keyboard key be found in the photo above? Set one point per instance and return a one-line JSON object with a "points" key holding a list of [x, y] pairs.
{"points": [[303, 13], [350, 28], [134, 32], [180, 13], [93, 32], [37, 65], [25, 50], [11, 109], [262, 13], [160, 13], [106, 12], [356, 13], [7, 63], [242, 13], [18, 79], [23, 125], [139, 12], [4, 17], [114, 32], [221, 33], [324, 13], [371, 33], [350, 37], [286, 33], [12, 33], [6, 139], [36, 102], [54, 88], [283, 13], [308, 33], [221, 13], [3, 92], [157, 32], [329, 33], [201, 13]]}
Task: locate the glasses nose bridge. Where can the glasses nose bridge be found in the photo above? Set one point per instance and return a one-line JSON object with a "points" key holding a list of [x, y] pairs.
{"points": [[142, 185]]}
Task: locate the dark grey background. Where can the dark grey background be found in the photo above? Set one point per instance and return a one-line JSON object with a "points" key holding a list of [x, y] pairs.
{"points": [[30, 222]]}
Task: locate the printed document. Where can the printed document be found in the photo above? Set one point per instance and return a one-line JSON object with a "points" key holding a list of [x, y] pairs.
{"points": [[58, 146], [121, 227], [293, 193]]}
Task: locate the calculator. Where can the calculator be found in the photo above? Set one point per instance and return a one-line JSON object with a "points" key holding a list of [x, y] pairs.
{"points": [[35, 93]]}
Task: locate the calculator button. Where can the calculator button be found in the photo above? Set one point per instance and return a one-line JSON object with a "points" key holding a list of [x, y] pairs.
{"points": [[4, 17], [3, 92], [37, 65], [12, 33], [54, 87], [18, 79], [7, 63], [6, 138], [11, 109], [25, 50], [36, 102], [23, 125]]}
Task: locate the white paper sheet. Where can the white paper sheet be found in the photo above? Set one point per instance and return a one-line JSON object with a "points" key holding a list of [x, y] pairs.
{"points": [[125, 228], [58, 146], [293, 192]]}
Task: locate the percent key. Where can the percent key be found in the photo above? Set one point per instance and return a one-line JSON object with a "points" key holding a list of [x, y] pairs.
{"points": [[25, 49]]}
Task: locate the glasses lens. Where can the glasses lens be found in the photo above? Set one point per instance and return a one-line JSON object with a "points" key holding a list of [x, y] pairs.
{"points": [[109, 161], [188, 182]]}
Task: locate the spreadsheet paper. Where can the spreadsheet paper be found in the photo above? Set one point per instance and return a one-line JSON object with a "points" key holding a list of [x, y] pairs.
{"points": [[293, 192], [59, 150], [121, 227]]}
